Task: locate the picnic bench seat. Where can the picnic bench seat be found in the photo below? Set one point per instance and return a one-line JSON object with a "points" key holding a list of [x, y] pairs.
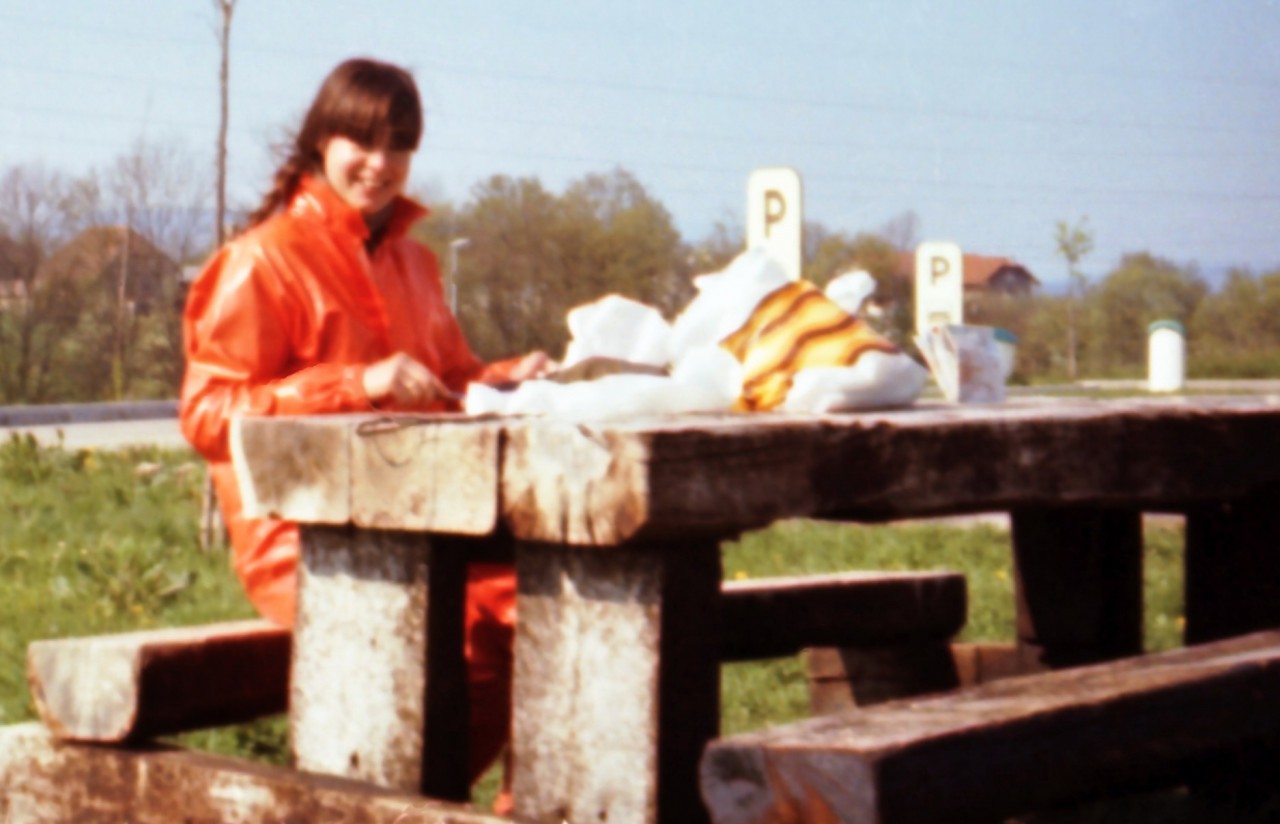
{"points": [[866, 637], [137, 685], [44, 779], [1006, 747]]}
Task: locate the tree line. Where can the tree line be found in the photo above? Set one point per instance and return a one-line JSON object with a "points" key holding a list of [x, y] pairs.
{"points": [[517, 256]]}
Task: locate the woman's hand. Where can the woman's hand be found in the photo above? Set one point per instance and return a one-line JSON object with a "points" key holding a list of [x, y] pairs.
{"points": [[404, 381], [533, 365]]}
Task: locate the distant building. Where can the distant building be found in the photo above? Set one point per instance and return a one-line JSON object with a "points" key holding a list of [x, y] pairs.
{"points": [[113, 255], [982, 273], [15, 266]]}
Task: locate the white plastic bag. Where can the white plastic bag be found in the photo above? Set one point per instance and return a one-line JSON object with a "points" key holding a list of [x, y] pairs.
{"points": [[877, 381], [618, 327], [725, 300], [707, 379], [850, 290]]}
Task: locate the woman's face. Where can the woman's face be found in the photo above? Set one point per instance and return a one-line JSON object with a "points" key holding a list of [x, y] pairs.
{"points": [[366, 177]]}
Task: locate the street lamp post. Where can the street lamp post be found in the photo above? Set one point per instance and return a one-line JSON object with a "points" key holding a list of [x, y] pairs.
{"points": [[454, 245]]}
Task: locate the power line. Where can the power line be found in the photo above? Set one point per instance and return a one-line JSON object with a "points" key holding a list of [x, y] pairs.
{"points": [[543, 80]]}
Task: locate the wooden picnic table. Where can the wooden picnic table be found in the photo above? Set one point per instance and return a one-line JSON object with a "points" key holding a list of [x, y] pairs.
{"points": [[615, 529]]}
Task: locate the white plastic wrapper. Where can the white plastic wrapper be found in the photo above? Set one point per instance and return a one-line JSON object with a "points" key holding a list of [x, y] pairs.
{"points": [[704, 377], [850, 290], [877, 381], [726, 299], [621, 328]]}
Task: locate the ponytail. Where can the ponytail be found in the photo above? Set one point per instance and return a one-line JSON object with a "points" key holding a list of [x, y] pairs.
{"points": [[283, 186]]}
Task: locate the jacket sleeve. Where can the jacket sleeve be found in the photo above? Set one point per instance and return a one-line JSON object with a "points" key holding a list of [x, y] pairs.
{"points": [[240, 356]]}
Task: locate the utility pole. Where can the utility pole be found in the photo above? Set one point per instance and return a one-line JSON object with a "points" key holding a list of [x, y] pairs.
{"points": [[122, 293], [454, 245], [224, 8], [210, 521]]}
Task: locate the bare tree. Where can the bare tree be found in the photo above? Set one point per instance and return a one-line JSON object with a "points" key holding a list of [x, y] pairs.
{"points": [[155, 190], [39, 211], [902, 231], [1074, 242]]}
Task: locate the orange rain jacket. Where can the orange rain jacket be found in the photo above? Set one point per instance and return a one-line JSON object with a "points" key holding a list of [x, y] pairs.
{"points": [[283, 320]]}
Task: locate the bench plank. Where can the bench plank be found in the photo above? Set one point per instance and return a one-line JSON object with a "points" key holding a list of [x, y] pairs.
{"points": [[43, 779], [139, 684], [1004, 747], [774, 617], [113, 688]]}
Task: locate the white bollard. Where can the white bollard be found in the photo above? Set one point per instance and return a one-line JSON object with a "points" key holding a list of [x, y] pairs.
{"points": [[1166, 356]]}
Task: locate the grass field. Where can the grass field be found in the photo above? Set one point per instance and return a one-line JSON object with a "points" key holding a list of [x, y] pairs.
{"points": [[102, 542]]}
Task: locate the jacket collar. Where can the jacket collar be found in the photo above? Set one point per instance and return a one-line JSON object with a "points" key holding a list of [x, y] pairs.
{"points": [[315, 197]]}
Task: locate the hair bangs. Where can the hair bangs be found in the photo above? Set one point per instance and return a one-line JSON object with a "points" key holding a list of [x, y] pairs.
{"points": [[372, 103], [393, 120]]}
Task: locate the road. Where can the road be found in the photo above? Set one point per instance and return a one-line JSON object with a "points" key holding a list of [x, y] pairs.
{"points": [[96, 425], [161, 432]]}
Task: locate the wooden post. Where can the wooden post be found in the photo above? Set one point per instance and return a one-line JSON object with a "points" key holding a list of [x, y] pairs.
{"points": [[617, 682], [1233, 567], [1078, 574], [378, 688]]}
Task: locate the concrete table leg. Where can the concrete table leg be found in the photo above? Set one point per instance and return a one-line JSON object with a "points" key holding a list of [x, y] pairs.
{"points": [[617, 681], [378, 687]]}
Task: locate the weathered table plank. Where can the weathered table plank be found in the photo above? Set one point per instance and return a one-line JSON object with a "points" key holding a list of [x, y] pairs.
{"points": [[156, 682], [603, 485], [44, 780], [435, 473]]}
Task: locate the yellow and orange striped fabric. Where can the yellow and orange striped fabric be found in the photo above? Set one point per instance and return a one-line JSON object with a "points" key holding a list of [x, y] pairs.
{"points": [[795, 327]]}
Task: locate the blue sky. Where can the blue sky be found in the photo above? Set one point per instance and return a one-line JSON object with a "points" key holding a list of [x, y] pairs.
{"points": [[991, 120]]}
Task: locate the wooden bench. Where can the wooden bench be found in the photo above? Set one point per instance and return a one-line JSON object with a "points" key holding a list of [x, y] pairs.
{"points": [[866, 636], [43, 780], [1006, 747], [137, 685]]}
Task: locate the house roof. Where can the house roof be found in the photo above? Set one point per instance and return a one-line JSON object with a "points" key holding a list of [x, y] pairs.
{"points": [[978, 269], [14, 258], [89, 253]]}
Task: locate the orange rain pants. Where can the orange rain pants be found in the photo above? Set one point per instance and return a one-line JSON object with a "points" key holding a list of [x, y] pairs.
{"points": [[283, 320]]}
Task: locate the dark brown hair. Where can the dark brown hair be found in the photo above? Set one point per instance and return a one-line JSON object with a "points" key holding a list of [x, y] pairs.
{"points": [[370, 102]]}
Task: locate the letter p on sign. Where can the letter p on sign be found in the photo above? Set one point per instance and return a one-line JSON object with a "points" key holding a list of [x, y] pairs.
{"points": [[775, 215], [939, 285]]}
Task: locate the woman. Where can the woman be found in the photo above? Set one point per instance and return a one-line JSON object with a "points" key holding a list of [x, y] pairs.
{"points": [[324, 304]]}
